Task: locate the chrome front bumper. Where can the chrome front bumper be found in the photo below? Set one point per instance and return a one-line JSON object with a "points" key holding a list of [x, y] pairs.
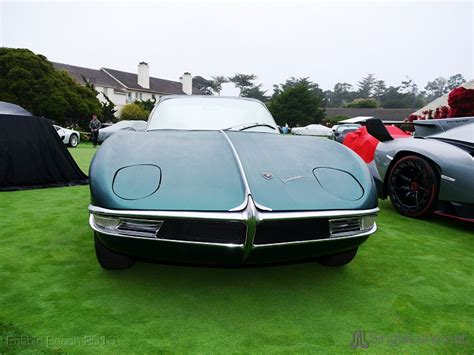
{"points": [[251, 216]]}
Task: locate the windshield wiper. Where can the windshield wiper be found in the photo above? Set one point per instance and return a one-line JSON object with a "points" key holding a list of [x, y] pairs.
{"points": [[252, 125]]}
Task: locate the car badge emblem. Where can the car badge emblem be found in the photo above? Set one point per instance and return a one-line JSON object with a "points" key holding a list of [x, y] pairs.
{"points": [[267, 176], [292, 178]]}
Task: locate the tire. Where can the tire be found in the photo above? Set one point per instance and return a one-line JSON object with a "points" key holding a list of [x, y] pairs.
{"points": [[339, 259], [110, 260], [73, 140], [413, 186]]}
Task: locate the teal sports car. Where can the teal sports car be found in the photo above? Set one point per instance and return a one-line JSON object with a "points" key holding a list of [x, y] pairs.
{"points": [[212, 181]]}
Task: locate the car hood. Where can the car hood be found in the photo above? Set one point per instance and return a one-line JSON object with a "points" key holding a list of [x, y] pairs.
{"points": [[213, 171]]}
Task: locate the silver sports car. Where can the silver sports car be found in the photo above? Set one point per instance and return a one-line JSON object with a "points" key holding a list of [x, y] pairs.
{"points": [[430, 172]]}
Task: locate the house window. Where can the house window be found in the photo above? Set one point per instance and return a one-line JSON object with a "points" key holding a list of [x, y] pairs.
{"points": [[129, 97]]}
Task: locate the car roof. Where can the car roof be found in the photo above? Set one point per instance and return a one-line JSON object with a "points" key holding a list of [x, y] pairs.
{"points": [[207, 97]]}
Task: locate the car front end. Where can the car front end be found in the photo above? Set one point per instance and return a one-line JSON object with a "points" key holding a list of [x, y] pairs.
{"points": [[249, 236]]}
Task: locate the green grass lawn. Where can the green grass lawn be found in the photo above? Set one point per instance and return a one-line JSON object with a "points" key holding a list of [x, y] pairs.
{"points": [[409, 289]]}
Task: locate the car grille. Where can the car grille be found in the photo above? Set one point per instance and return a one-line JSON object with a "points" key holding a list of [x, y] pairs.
{"points": [[203, 231], [274, 232]]}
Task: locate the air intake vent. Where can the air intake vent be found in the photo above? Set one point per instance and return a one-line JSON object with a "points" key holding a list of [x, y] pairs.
{"points": [[274, 232], [204, 231], [342, 227]]}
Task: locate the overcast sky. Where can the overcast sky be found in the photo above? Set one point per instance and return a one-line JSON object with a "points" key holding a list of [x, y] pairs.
{"points": [[328, 42]]}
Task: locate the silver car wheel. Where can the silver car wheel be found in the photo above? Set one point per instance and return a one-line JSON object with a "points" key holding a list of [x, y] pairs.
{"points": [[73, 141]]}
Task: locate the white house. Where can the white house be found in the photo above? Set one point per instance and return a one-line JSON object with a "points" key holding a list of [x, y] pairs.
{"points": [[124, 87]]}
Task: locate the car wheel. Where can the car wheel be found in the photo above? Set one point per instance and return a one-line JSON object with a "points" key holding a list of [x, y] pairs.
{"points": [[110, 260], [73, 140], [413, 186], [339, 259]]}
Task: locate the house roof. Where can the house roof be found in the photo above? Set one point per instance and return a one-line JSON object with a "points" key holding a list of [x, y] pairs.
{"points": [[385, 114], [96, 77], [121, 80], [162, 86], [442, 100]]}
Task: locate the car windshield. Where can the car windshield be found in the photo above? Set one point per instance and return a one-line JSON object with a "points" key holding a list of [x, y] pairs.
{"points": [[198, 113]]}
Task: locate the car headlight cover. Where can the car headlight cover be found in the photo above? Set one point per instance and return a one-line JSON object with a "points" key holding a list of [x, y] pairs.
{"points": [[135, 182], [106, 222]]}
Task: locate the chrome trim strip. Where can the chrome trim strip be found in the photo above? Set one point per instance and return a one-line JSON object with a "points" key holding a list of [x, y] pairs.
{"points": [[363, 234], [241, 206], [98, 229], [247, 247], [233, 216], [448, 178], [262, 207], [239, 163], [251, 221], [270, 216]]}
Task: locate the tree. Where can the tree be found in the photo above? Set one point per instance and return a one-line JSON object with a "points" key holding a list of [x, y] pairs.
{"points": [[366, 86], [455, 81], [217, 82], [242, 81], [436, 88], [397, 97], [255, 92], [30, 80], [296, 104], [133, 111], [108, 109], [408, 87], [379, 89], [146, 105], [341, 94], [363, 103], [206, 86]]}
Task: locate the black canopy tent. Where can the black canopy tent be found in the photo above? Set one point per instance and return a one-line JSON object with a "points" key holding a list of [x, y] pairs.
{"points": [[31, 153]]}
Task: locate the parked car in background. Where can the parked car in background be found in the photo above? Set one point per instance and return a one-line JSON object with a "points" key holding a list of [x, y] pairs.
{"points": [[313, 130], [339, 131], [213, 181], [135, 126], [431, 172], [68, 136]]}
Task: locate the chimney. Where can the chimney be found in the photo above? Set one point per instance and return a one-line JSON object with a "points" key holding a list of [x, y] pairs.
{"points": [[187, 81], [144, 75]]}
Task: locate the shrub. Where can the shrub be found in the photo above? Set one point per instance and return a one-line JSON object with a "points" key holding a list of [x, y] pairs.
{"points": [[133, 112], [363, 103]]}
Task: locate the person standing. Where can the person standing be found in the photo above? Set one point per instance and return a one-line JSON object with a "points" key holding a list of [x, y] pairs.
{"points": [[94, 126]]}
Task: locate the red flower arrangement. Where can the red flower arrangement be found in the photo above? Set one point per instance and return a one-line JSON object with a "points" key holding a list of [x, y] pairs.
{"points": [[461, 102]]}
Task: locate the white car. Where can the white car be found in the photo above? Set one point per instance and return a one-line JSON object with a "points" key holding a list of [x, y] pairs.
{"points": [[68, 136], [313, 130]]}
